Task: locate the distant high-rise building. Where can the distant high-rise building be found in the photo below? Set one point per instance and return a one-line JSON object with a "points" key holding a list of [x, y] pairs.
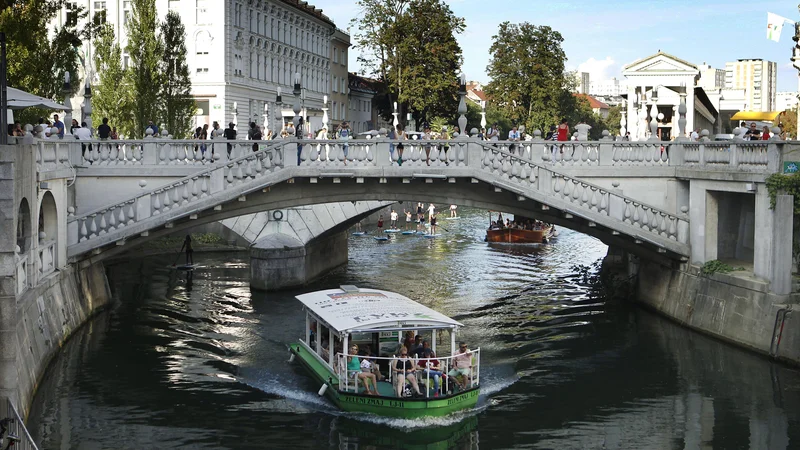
{"points": [[786, 101], [758, 78], [581, 83], [611, 87], [711, 78]]}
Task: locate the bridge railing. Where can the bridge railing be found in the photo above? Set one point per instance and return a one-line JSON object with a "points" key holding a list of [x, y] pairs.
{"points": [[190, 189], [521, 174]]}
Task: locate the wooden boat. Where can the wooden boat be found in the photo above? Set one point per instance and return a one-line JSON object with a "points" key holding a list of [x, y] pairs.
{"points": [[381, 319], [518, 236]]}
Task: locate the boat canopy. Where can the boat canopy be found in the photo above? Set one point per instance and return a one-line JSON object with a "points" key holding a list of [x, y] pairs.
{"points": [[351, 309], [769, 116]]}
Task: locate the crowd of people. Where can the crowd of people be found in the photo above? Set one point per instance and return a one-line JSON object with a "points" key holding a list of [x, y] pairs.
{"points": [[521, 224]]}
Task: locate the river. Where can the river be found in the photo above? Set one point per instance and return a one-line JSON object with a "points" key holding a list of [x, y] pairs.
{"points": [[201, 362]]}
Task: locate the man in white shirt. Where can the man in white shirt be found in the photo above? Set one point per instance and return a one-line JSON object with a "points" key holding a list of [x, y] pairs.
{"points": [[393, 218], [513, 136], [83, 133]]}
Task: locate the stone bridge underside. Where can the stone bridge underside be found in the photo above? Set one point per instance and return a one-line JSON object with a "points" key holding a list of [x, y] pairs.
{"points": [[499, 182]]}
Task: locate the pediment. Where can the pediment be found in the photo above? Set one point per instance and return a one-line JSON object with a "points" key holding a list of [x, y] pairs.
{"points": [[660, 63]]}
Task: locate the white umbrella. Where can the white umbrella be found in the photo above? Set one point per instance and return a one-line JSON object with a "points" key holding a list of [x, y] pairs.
{"points": [[18, 99]]}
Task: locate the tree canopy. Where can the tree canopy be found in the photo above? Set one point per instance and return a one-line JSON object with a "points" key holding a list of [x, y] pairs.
{"points": [[528, 80], [144, 76], [411, 47], [177, 105], [111, 96]]}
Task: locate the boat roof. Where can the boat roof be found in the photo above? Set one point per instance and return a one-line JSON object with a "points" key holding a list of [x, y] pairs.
{"points": [[350, 308]]}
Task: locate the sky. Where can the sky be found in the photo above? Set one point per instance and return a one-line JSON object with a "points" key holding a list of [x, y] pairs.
{"points": [[602, 36]]}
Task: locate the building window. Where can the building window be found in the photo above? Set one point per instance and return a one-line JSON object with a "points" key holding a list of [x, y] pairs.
{"points": [[334, 111], [126, 60], [126, 12], [335, 55], [344, 58], [202, 70], [98, 6], [334, 84], [174, 5], [344, 89]]}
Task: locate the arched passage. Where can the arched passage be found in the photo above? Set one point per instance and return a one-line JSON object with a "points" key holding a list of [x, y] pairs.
{"points": [[48, 217], [24, 229]]}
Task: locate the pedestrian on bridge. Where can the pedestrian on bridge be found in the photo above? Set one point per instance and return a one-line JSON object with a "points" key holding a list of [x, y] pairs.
{"points": [[230, 134]]}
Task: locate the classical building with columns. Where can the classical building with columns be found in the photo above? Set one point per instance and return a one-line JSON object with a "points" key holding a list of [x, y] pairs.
{"points": [[659, 81], [241, 51]]}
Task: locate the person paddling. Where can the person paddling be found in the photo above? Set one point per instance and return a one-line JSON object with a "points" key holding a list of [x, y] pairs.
{"points": [[187, 243]]}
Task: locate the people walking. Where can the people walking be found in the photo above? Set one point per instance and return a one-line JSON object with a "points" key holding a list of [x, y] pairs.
{"points": [[400, 135], [60, 125], [254, 134], [230, 134]]}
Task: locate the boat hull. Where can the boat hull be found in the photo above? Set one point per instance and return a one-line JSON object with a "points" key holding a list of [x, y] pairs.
{"points": [[516, 236], [404, 408]]}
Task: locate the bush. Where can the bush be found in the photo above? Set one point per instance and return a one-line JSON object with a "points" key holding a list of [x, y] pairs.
{"points": [[717, 266]]}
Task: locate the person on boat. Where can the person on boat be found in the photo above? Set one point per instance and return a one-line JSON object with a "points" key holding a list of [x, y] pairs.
{"points": [[453, 210], [312, 336], [433, 224], [356, 371], [416, 346], [187, 244], [417, 351], [368, 355], [405, 369], [433, 368], [380, 223], [462, 366], [408, 339], [393, 220]]}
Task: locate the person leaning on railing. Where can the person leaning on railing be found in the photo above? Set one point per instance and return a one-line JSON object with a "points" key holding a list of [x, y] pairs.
{"points": [[462, 366]]}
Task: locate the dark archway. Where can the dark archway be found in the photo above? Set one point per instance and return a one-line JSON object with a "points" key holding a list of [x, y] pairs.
{"points": [[24, 229], [48, 217]]}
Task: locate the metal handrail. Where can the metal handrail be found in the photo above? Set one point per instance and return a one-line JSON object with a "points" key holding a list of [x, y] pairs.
{"points": [[445, 367], [16, 427]]}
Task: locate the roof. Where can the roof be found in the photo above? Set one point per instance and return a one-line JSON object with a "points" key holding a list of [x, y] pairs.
{"points": [[480, 94], [770, 116], [593, 102], [357, 309], [683, 61], [360, 84], [18, 99], [305, 7]]}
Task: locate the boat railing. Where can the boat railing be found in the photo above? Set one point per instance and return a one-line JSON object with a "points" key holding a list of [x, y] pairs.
{"points": [[449, 369]]}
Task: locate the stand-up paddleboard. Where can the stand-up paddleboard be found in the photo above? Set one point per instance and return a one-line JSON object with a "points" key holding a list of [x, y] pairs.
{"points": [[422, 232], [409, 232], [380, 238], [431, 236], [359, 233], [392, 230]]}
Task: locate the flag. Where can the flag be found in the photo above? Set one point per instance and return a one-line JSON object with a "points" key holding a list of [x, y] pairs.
{"points": [[775, 26]]}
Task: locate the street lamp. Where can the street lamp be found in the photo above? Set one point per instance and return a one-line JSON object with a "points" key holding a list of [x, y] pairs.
{"points": [[296, 108], [462, 106]]}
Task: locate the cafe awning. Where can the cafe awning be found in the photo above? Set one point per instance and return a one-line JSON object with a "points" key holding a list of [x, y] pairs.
{"points": [[18, 99], [770, 116]]}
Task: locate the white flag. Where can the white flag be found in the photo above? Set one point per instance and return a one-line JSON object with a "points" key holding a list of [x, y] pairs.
{"points": [[775, 26]]}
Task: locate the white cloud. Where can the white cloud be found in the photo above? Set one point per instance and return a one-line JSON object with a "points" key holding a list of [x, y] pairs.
{"points": [[601, 69]]}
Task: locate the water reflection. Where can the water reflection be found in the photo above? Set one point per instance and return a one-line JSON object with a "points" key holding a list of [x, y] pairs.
{"points": [[194, 359]]}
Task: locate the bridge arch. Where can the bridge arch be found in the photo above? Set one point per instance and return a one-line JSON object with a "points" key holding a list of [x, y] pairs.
{"points": [[48, 217]]}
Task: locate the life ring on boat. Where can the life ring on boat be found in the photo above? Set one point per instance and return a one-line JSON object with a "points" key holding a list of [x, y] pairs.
{"points": [[277, 214]]}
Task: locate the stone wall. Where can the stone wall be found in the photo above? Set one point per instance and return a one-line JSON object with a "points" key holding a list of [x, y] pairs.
{"points": [[735, 307], [45, 317], [281, 261]]}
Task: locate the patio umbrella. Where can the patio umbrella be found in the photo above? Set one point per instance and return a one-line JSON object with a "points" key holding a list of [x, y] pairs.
{"points": [[18, 99]]}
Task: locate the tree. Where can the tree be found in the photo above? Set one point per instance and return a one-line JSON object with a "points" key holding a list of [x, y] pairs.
{"points": [[431, 58], [111, 94], [527, 71], [143, 75], [177, 105], [411, 47], [37, 64], [613, 118], [789, 121]]}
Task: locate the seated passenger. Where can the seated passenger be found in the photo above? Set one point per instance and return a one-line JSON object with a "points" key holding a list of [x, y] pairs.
{"points": [[462, 366], [356, 372], [405, 370], [433, 368], [369, 358]]}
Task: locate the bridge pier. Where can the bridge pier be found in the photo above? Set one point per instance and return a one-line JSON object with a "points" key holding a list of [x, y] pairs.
{"points": [[280, 261]]}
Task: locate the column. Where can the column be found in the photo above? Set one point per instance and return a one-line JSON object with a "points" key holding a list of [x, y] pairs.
{"points": [[690, 108]]}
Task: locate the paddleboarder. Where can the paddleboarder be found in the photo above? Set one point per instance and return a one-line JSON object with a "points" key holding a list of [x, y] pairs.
{"points": [[420, 214], [187, 244], [408, 218], [453, 211], [433, 224], [393, 220], [380, 223]]}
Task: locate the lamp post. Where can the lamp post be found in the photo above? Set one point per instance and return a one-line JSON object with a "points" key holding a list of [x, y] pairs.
{"points": [[395, 122], [278, 114], [66, 89], [325, 112], [296, 108], [266, 119], [87, 103], [654, 115], [462, 106], [235, 115]]}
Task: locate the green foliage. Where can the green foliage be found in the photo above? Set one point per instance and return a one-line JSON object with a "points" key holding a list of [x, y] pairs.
{"points": [[411, 47], [527, 71], [36, 63], [612, 120], [144, 76], [111, 95], [788, 184], [177, 105], [206, 238], [717, 266], [789, 121]]}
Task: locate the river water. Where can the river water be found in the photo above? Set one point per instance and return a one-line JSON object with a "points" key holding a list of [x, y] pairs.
{"points": [[201, 362]]}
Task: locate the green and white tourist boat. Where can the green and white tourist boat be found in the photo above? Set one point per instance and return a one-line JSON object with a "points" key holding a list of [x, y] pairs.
{"points": [[378, 322]]}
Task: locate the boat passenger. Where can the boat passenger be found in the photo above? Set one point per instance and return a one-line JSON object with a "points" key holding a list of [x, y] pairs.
{"points": [[433, 368], [417, 351], [408, 340], [405, 370], [375, 368], [462, 366], [356, 371]]}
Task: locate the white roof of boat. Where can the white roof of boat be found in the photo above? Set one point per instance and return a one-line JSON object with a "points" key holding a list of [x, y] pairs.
{"points": [[356, 309]]}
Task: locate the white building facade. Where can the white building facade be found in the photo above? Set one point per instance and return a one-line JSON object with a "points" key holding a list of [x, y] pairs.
{"points": [[711, 78], [611, 88], [240, 52], [758, 78], [786, 101]]}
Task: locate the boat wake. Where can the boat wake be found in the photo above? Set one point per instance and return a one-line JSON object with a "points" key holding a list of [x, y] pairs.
{"points": [[409, 425]]}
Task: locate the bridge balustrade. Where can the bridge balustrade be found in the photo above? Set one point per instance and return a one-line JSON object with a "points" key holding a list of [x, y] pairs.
{"points": [[22, 272], [523, 174], [736, 155], [46, 257]]}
